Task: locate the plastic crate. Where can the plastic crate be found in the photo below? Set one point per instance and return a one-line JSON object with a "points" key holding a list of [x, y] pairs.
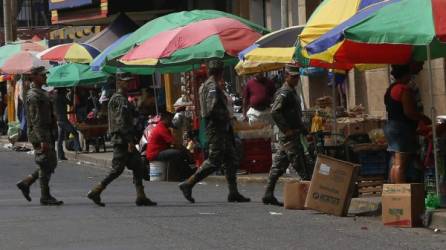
{"points": [[373, 163]]}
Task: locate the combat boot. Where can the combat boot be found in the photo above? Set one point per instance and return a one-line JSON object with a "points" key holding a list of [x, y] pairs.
{"points": [[141, 199], [47, 199], [268, 198], [95, 195], [234, 195], [26, 183], [186, 187]]}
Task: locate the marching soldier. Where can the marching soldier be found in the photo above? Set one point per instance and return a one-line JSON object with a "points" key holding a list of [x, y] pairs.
{"points": [[42, 131], [122, 129], [287, 116], [220, 136]]}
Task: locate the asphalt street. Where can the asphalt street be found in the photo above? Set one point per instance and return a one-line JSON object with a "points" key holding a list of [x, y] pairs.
{"points": [[211, 223]]}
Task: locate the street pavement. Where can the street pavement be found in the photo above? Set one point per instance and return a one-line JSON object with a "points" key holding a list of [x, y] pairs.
{"points": [[210, 223]]}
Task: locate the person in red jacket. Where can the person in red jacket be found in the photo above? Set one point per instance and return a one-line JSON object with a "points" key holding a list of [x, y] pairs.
{"points": [[161, 147]]}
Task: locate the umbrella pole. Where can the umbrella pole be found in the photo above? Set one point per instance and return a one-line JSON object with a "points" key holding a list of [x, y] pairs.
{"points": [[333, 95], [434, 119]]}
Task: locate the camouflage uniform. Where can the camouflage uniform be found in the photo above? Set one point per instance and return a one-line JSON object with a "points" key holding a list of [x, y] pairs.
{"points": [[121, 128], [287, 115], [221, 141], [42, 128]]}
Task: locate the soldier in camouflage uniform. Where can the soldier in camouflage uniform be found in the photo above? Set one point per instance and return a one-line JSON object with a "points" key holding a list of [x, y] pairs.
{"points": [[287, 116], [122, 129], [220, 136], [42, 132]]}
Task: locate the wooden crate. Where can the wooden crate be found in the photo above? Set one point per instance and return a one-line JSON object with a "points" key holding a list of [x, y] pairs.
{"points": [[370, 185]]}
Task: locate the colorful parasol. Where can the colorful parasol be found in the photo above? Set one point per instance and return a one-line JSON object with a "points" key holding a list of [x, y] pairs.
{"points": [[22, 63], [326, 17], [270, 52], [392, 32], [98, 61], [70, 52], [11, 49], [74, 74], [177, 41]]}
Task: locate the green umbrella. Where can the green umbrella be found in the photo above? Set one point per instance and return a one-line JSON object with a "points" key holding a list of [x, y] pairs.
{"points": [[73, 75], [182, 41]]}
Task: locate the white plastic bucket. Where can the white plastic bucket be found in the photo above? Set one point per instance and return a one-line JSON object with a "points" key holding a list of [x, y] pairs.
{"points": [[157, 171]]}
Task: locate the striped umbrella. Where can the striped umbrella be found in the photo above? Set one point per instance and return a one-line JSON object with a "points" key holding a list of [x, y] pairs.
{"points": [[393, 32], [70, 52], [175, 42], [328, 15], [270, 52]]}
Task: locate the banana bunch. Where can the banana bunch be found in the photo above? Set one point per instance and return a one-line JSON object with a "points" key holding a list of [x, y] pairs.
{"points": [[317, 123]]}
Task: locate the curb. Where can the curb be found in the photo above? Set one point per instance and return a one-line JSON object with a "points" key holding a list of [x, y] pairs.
{"points": [[438, 220]]}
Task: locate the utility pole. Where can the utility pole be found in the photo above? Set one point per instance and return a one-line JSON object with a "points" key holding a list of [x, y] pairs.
{"points": [[284, 13], [13, 18], [7, 24]]}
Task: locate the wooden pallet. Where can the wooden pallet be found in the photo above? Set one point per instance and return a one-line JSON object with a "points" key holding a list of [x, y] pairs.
{"points": [[370, 185]]}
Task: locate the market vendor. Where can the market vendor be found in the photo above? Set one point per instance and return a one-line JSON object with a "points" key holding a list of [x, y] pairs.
{"points": [[161, 147], [257, 98], [403, 120]]}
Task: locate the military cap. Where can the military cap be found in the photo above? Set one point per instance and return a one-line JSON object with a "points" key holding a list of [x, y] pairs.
{"points": [[124, 76], [40, 70], [215, 64], [292, 70]]}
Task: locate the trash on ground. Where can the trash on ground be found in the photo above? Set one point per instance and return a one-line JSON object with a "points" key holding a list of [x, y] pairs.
{"points": [[275, 213]]}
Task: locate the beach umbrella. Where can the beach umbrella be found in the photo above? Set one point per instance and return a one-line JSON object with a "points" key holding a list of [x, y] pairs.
{"points": [[179, 41], [13, 48], [22, 63], [99, 61], [393, 32], [70, 52], [270, 52], [73, 75], [328, 15]]}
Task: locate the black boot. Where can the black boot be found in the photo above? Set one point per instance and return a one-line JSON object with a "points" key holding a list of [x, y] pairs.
{"points": [[268, 198], [95, 195], [141, 199], [26, 183], [47, 199], [234, 195], [186, 187]]}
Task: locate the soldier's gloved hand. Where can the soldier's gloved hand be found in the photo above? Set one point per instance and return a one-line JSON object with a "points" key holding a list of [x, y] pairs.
{"points": [[131, 147], [44, 146]]}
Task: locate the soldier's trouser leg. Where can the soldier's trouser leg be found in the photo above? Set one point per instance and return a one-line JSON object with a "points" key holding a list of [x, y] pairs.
{"points": [[46, 197], [280, 164], [24, 185], [231, 163], [135, 164], [120, 157], [296, 156]]}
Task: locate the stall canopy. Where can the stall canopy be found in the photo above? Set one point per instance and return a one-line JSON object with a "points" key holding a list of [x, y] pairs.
{"points": [[74, 74]]}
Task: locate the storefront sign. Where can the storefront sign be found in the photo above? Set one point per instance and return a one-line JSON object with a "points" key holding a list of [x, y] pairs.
{"points": [[66, 4]]}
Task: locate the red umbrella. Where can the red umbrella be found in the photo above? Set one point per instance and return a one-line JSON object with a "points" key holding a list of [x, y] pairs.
{"points": [[22, 63]]}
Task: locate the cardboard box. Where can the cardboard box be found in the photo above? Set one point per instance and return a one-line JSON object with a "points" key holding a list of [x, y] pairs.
{"points": [[332, 186], [402, 204], [295, 194]]}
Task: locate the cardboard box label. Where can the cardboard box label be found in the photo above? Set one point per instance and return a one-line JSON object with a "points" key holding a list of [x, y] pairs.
{"points": [[324, 169]]}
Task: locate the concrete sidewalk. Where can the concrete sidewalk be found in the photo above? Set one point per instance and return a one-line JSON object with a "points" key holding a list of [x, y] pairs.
{"points": [[364, 206]]}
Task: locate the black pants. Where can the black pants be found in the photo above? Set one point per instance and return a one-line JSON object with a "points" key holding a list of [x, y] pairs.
{"points": [[179, 160]]}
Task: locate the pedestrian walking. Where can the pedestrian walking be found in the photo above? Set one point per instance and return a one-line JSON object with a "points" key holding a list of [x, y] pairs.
{"points": [[42, 131], [287, 115], [63, 124], [122, 129], [220, 136]]}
